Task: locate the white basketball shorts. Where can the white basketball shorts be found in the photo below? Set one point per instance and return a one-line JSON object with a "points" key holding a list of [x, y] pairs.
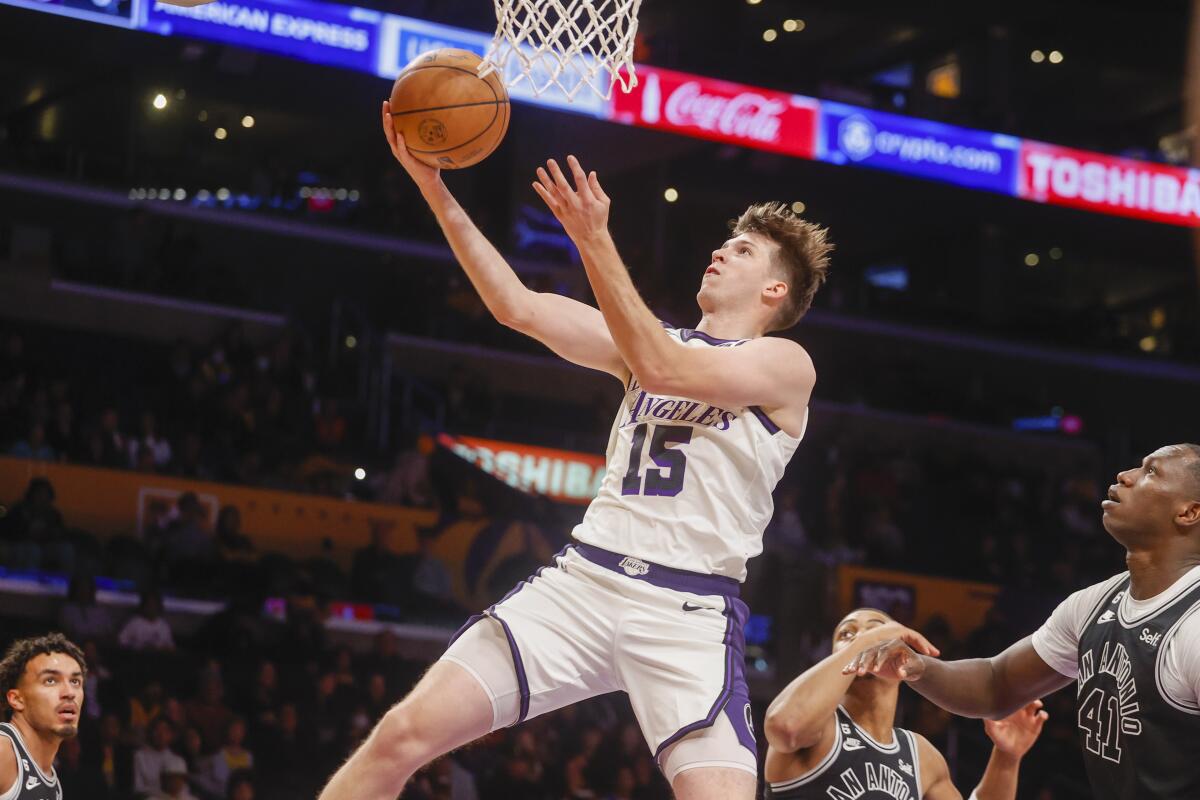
{"points": [[596, 622]]}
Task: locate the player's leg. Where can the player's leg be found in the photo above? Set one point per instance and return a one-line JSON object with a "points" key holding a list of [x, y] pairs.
{"points": [[414, 732], [714, 783]]}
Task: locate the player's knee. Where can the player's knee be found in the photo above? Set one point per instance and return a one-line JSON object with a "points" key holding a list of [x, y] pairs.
{"points": [[397, 738]]}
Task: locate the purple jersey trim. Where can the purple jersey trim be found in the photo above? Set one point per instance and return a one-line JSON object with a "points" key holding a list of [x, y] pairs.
{"points": [[679, 580], [771, 427], [522, 679]]}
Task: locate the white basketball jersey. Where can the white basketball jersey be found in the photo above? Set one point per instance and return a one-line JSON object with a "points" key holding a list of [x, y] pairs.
{"points": [[688, 484]]}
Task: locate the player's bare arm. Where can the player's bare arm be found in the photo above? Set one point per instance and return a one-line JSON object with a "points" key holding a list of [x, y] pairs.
{"points": [[935, 773], [573, 330], [803, 716], [774, 373], [8, 765], [976, 687], [1012, 737]]}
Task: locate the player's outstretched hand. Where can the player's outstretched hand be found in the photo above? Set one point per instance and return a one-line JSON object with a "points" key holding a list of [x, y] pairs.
{"points": [[1017, 732], [423, 174], [582, 209], [897, 656]]}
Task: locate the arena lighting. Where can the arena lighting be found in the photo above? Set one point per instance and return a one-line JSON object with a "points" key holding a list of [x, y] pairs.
{"points": [[202, 116], [1056, 57], [789, 25], [203, 195], [180, 194], [160, 101], [1148, 344], [341, 194], [247, 121], [671, 194], [1056, 253], [753, 2], [180, 94], [351, 342], [798, 207], [1031, 259], [353, 195], [770, 35], [360, 473], [1037, 56], [220, 133], [222, 194], [1158, 318]]}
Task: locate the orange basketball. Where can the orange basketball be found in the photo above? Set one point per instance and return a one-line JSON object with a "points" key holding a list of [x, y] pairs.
{"points": [[449, 116]]}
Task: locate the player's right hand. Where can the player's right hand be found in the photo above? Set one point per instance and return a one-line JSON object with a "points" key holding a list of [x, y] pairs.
{"points": [[423, 174], [896, 654]]}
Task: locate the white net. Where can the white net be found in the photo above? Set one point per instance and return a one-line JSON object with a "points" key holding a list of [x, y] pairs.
{"points": [[568, 44]]}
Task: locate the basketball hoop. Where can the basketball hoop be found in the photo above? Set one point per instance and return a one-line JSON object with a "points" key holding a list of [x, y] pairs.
{"points": [[567, 44]]}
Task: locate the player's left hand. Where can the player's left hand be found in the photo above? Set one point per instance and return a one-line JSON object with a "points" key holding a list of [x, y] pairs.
{"points": [[582, 209], [1017, 732]]}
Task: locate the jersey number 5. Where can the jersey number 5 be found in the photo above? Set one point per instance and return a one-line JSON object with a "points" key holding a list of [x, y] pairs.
{"points": [[668, 480]]}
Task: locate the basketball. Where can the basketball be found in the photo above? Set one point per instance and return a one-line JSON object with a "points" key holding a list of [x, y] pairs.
{"points": [[449, 116]]}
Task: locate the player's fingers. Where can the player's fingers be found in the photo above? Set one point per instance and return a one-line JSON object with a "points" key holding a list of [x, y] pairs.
{"points": [[560, 180], [594, 182], [547, 182], [389, 127], [919, 643], [546, 196], [582, 185]]}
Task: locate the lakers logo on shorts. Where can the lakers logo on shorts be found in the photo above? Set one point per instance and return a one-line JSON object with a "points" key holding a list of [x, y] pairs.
{"points": [[634, 566]]}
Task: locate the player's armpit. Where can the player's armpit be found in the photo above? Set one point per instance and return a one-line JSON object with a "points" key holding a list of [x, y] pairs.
{"points": [[769, 371], [935, 774], [573, 330]]}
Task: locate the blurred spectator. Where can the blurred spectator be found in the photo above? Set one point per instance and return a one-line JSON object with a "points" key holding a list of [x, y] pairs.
{"points": [[174, 782], [431, 578], [241, 787], [208, 711], [61, 433], [329, 427], [229, 759], [33, 530], [108, 755], [232, 544], [144, 708], [107, 445], [188, 546], [34, 445], [97, 685], [147, 629], [154, 759], [78, 776], [81, 617], [149, 451]]}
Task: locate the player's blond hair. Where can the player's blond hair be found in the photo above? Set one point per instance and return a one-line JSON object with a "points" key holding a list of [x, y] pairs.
{"points": [[803, 257]]}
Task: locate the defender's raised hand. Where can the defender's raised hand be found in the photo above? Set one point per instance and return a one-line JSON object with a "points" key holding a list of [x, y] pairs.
{"points": [[898, 658], [1017, 732], [582, 209]]}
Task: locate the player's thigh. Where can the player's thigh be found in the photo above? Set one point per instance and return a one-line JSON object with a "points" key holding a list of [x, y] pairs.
{"points": [[447, 709], [545, 646], [714, 783]]}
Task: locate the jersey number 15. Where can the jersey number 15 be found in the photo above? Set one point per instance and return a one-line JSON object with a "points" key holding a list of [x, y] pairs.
{"points": [[667, 481]]}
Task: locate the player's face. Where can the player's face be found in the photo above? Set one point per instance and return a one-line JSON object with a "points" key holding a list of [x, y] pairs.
{"points": [[1153, 494], [855, 623], [50, 694], [740, 272]]}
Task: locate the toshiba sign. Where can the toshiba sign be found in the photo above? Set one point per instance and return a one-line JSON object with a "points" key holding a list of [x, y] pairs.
{"points": [[720, 110], [1110, 185]]}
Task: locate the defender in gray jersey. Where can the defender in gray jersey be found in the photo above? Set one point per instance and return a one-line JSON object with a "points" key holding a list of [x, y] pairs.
{"points": [[1131, 644], [646, 599], [42, 680], [833, 737]]}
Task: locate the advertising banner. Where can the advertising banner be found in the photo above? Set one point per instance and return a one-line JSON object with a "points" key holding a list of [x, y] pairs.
{"points": [[562, 475], [719, 110], [1109, 184], [913, 599], [924, 149], [323, 33]]}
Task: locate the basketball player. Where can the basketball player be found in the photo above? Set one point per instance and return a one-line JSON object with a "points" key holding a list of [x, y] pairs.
{"points": [[1131, 644], [646, 600], [832, 735], [42, 679]]}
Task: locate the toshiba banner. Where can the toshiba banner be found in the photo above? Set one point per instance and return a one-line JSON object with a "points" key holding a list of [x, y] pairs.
{"points": [[562, 475], [720, 110], [1108, 184]]}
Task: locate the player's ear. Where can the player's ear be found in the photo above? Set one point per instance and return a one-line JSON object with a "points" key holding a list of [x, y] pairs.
{"points": [[15, 701], [776, 290], [1189, 516]]}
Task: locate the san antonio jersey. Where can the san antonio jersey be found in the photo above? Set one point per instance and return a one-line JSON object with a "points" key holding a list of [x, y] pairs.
{"points": [[31, 783], [1137, 741], [688, 484], [857, 766]]}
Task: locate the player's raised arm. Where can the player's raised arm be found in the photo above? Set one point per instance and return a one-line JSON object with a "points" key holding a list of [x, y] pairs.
{"points": [[571, 329], [767, 372], [1012, 737], [975, 687], [802, 716]]}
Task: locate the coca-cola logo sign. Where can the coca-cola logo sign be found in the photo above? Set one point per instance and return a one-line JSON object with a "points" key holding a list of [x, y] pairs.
{"points": [[746, 115]]}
